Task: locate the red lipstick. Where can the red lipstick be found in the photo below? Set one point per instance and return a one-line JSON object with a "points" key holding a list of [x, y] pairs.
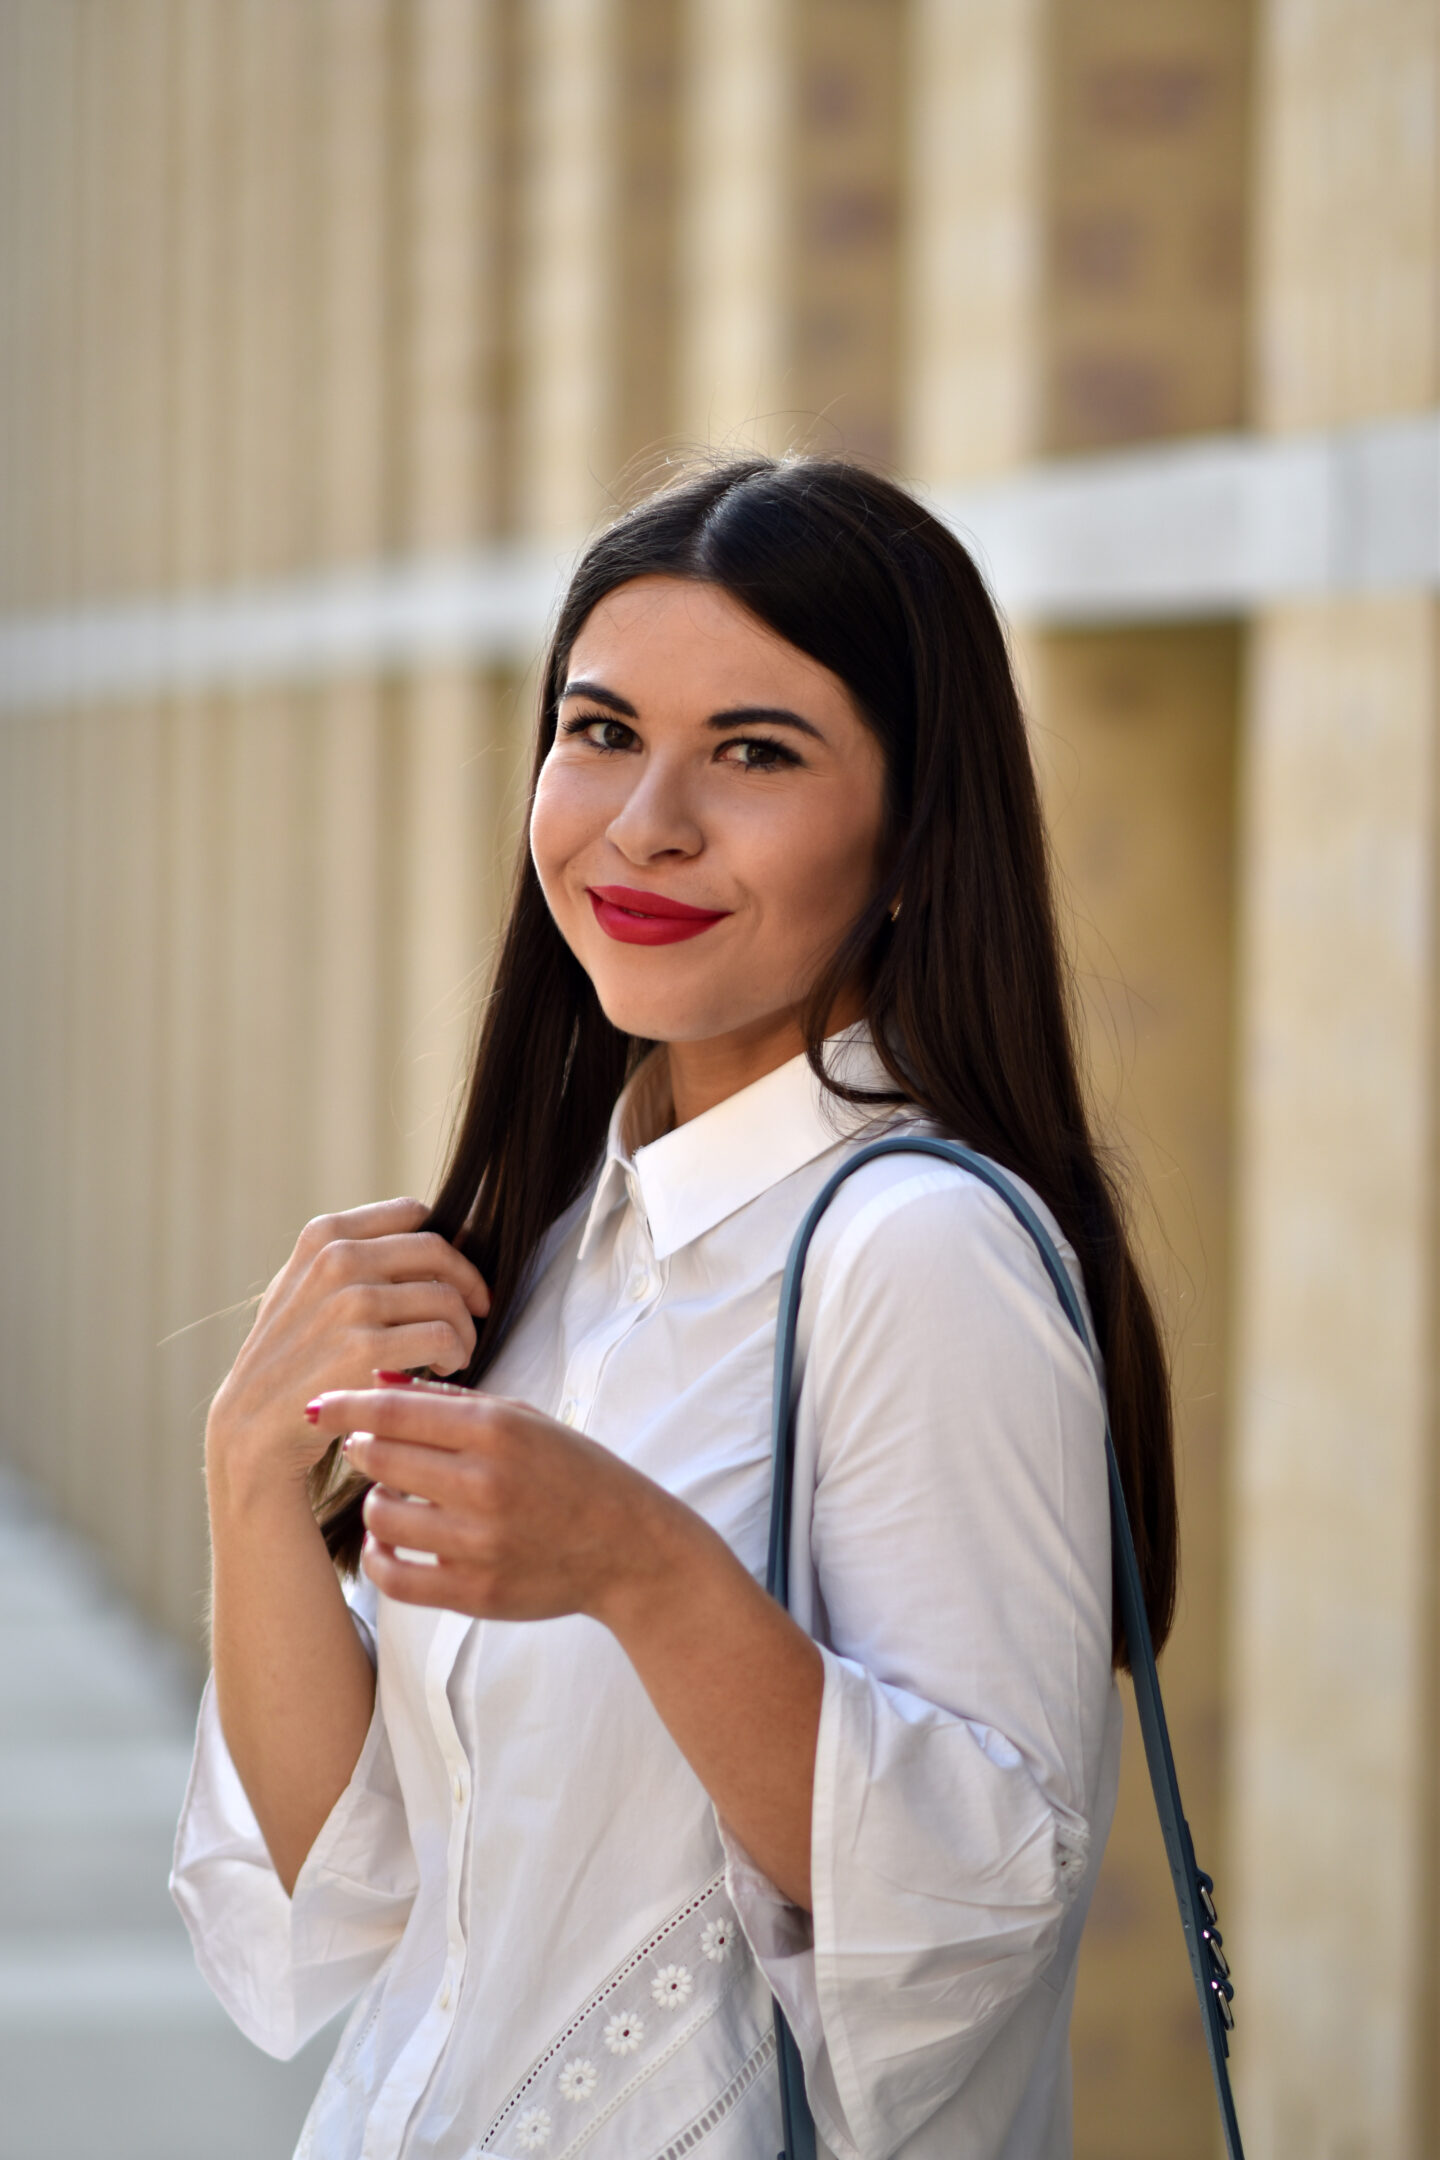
{"points": [[647, 918]]}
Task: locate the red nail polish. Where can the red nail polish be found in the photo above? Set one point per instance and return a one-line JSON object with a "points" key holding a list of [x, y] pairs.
{"points": [[312, 1411], [395, 1379]]}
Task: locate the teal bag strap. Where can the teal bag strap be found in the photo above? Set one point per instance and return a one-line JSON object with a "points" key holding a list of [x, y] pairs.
{"points": [[1194, 1890]]}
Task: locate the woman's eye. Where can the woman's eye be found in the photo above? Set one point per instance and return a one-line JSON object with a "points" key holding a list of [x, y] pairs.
{"points": [[756, 753], [606, 733]]}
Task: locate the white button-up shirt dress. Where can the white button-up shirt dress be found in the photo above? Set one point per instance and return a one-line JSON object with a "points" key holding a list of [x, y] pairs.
{"points": [[552, 1945]]}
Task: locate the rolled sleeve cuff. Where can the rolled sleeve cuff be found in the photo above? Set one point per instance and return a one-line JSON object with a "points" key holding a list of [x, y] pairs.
{"points": [[940, 1875], [283, 1966]]}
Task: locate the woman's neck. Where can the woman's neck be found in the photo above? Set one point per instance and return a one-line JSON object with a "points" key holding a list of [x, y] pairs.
{"points": [[703, 1074]]}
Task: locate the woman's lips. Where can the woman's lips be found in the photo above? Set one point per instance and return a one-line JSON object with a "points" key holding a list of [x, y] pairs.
{"points": [[644, 918]]}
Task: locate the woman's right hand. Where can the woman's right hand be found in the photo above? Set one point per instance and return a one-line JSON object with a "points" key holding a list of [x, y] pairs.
{"points": [[295, 1688], [364, 1291]]}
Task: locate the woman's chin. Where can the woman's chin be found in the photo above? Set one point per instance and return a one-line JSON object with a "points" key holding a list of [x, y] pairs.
{"points": [[670, 1019], [653, 1021]]}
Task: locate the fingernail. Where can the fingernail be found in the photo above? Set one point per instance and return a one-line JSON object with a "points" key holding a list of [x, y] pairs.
{"points": [[312, 1411], [345, 1443], [395, 1379]]}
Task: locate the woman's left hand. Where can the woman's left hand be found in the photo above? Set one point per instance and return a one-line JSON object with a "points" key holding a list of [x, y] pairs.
{"points": [[529, 1520], [526, 1520]]}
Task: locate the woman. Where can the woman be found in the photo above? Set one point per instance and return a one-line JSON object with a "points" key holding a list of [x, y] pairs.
{"points": [[557, 1789]]}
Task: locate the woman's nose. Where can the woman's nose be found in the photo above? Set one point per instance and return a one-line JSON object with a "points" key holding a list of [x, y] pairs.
{"points": [[657, 817]]}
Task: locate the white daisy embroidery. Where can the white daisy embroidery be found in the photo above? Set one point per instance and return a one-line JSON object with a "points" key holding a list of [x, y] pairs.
{"points": [[671, 1986], [715, 1941], [578, 2078], [624, 2033], [533, 2130]]}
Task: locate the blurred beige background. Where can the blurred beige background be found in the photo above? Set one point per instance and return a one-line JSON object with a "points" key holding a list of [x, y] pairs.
{"points": [[329, 327]]}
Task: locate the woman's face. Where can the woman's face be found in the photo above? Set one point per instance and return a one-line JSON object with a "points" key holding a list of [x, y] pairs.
{"points": [[708, 823]]}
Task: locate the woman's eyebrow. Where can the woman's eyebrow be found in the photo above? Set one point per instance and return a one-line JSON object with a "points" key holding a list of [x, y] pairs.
{"points": [[601, 695], [773, 715]]}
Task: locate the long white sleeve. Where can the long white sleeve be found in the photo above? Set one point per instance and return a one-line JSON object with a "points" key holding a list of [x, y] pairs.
{"points": [[957, 1563], [283, 1966]]}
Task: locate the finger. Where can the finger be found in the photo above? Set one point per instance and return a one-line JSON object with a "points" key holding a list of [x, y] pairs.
{"points": [[418, 1257], [407, 1523], [410, 1582], [408, 1466], [457, 1419], [378, 1218], [423, 1346], [380, 1306]]}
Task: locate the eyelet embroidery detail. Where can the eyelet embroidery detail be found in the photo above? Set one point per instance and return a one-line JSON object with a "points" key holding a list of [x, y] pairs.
{"points": [[672, 1986], [715, 1941], [624, 2032], [604, 2054], [578, 2079]]}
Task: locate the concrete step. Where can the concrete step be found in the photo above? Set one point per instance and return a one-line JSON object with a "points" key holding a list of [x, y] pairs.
{"points": [[110, 2042]]}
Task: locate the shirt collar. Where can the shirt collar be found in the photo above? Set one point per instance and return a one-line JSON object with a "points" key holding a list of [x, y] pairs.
{"points": [[693, 1177]]}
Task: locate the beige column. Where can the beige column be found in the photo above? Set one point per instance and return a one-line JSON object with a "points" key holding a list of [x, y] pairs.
{"points": [[845, 193], [442, 820], [354, 359], [974, 238], [569, 56], [200, 1318], [1334, 1645], [128, 1211], [38, 161], [37, 1325], [22, 1257], [1335, 1545], [118, 1212], [112, 1226], [78, 1283], [1135, 736], [734, 383], [41, 1321], [270, 402], [1345, 236], [790, 256], [1142, 328], [595, 285], [83, 1285], [12, 297], [644, 238], [37, 287], [1145, 125], [197, 1290]]}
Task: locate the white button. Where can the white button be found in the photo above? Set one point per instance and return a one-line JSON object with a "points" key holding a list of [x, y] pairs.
{"points": [[642, 1286], [459, 1788], [445, 1996], [570, 1411]]}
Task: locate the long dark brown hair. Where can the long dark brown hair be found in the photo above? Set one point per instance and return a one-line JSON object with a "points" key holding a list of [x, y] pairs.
{"points": [[966, 993]]}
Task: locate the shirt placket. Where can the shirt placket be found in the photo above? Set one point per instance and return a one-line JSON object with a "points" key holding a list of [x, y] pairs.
{"points": [[396, 2104], [457, 1773], [641, 1279]]}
